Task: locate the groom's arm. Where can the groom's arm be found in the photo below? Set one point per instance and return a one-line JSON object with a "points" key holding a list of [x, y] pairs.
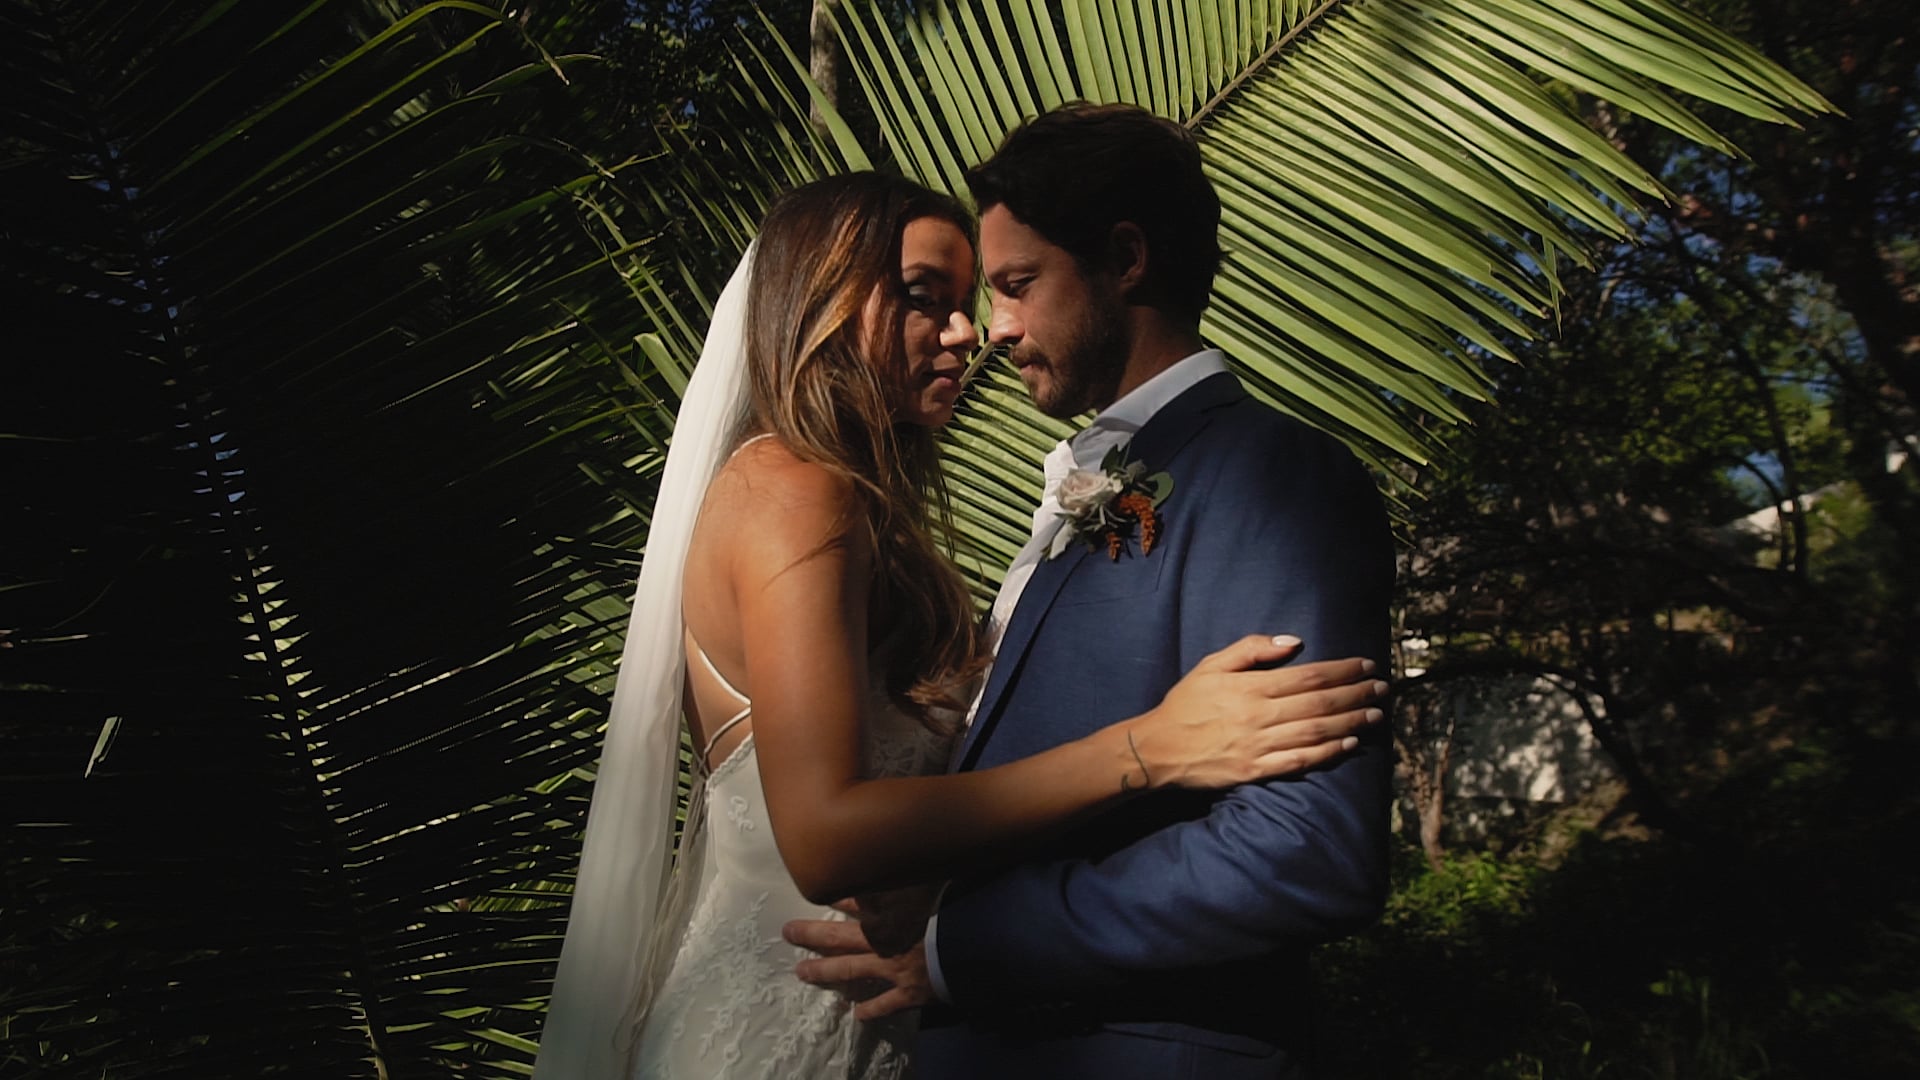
{"points": [[1294, 539]]}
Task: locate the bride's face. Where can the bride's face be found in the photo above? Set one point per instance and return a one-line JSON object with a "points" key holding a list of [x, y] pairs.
{"points": [[936, 289]]}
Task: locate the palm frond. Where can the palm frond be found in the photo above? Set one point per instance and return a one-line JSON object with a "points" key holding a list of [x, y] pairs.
{"points": [[1399, 178], [361, 354]]}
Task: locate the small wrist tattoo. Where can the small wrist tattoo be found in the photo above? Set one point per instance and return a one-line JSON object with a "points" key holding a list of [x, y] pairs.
{"points": [[1146, 778]]}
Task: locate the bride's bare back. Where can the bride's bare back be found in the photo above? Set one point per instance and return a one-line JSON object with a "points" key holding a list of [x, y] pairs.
{"points": [[729, 1007], [763, 489]]}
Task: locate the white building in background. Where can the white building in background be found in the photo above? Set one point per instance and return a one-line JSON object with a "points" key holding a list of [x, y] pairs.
{"points": [[1765, 522], [1521, 748], [1526, 741]]}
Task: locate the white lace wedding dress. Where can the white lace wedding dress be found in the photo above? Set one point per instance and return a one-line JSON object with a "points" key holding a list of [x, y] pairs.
{"points": [[730, 1007]]}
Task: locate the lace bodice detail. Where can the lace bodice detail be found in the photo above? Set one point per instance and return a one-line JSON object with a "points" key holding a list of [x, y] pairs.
{"points": [[730, 1007]]}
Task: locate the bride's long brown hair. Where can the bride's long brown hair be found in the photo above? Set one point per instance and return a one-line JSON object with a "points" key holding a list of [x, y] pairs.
{"points": [[827, 250]]}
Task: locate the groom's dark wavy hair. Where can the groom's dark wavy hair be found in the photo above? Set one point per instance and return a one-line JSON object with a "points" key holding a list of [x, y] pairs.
{"points": [[827, 270], [1073, 173]]}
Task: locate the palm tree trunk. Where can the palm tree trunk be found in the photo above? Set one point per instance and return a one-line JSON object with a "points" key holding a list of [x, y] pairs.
{"points": [[824, 60]]}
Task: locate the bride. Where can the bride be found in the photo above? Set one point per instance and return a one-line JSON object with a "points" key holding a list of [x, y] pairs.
{"points": [[795, 608]]}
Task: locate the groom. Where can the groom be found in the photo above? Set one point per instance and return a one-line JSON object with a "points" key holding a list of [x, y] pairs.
{"points": [[1169, 937]]}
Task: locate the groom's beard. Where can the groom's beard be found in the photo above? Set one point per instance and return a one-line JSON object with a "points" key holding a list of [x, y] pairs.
{"points": [[1082, 373]]}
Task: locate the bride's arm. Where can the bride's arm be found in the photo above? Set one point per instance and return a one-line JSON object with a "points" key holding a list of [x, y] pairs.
{"points": [[801, 579]]}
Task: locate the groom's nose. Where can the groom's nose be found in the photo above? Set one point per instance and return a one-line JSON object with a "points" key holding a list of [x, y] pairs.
{"points": [[1003, 327]]}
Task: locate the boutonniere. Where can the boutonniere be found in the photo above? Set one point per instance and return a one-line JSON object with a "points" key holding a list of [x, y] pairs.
{"points": [[1105, 506]]}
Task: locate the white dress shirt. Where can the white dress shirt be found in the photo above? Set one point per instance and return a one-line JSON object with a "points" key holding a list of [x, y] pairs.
{"points": [[1116, 425]]}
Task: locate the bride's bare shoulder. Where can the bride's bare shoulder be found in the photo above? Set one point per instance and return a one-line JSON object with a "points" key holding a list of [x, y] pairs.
{"points": [[773, 498]]}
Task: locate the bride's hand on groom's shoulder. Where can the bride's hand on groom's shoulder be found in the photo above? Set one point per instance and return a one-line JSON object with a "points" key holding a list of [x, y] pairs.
{"points": [[876, 985], [1234, 719]]}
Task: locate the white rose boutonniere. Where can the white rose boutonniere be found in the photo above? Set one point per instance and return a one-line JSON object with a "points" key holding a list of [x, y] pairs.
{"points": [[1086, 489], [1105, 507]]}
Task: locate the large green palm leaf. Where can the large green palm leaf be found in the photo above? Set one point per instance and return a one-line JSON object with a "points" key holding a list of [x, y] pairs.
{"points": [[350, 347], [1401, 179]]}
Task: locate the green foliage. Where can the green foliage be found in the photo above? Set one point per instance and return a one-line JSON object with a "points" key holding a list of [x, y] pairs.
{"points": [[1734, 360], [1753, 688], [354, 333], [352, 362], [1464, 892], [1398, 190], [1384, 228], [1630, 959]]}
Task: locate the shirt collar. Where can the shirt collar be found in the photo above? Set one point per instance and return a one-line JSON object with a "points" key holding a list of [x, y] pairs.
{"points": [[1121, 420]]}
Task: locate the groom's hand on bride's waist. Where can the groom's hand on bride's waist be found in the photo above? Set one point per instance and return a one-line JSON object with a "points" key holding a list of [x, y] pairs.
{"points": [[878, 985]]}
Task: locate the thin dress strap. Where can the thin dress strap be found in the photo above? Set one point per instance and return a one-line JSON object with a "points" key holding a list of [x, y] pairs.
{"points": [[733, 721], [714, 739]]}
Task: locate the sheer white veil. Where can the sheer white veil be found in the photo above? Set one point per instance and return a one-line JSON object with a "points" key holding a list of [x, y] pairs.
{"points": [[618, 927]]}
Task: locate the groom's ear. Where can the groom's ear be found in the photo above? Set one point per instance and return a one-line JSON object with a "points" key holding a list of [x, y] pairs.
{"points": [[1127, 256]]}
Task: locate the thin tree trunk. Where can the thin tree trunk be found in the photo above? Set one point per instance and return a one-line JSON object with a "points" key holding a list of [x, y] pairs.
{"points": [[1610, 732], [1426, 755], [824, 60], [1433, 806]]}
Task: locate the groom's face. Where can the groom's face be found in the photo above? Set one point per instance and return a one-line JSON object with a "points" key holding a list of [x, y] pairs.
{"points": [[1062, 324]]}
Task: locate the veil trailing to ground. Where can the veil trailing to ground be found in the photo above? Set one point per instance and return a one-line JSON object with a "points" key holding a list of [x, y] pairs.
{"points": [[623, 924]]}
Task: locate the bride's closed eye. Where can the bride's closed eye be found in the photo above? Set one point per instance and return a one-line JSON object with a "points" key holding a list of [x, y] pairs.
{"points": [[925, 286]]}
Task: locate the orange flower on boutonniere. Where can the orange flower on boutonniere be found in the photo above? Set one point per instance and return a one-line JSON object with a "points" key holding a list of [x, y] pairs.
{"points": [[1105, 507]]}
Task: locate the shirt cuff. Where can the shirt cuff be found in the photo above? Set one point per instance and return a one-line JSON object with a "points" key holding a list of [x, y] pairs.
{"points": [[934, 978]]}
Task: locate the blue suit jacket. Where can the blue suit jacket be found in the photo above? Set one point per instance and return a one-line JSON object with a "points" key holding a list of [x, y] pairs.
{"points": [[1169, 935]]}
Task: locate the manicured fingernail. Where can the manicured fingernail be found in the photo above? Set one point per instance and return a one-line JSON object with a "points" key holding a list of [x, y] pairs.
{"points": [[1349, 743], [1379, 688], [1366, 667], [1285, 641], [1374, 716]]}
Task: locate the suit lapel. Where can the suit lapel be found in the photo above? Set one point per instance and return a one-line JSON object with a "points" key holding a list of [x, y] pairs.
{"points": [[1037, 599], [1156, 444]]}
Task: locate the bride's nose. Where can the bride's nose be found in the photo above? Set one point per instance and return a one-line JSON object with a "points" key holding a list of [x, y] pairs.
{"points": [[959, 332]]}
